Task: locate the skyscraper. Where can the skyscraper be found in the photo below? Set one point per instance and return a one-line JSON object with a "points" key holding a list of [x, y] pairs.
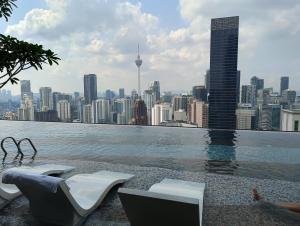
{"points": [[161, 113], [90, 88], [64, 110], [223, 73], [149, 98], [121, 93], [140, 113], [25, 88], [284, 83], [101, 109], [46, 102], [258, 83], [138, 63], [207, 80], [155, 87], [238, 86], [200, 93]]}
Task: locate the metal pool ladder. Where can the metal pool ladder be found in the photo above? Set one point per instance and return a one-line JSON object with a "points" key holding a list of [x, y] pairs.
{"points": [[18, 145]]}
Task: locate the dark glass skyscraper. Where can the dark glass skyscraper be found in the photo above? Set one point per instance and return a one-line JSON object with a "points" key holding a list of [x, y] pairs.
{"points": [[284, 83], [90, 88], [223, 73], [200, 93]]}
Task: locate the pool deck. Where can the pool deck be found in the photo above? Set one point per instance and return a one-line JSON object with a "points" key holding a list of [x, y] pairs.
{"points": [[227, 199]]}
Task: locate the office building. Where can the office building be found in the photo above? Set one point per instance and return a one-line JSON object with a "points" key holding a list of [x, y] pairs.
{"points": [[64, 111], [238, 87], [161, 113], [155, 88], [90, 88], [248, 95], [207, 80], [167, 97], [258, 83], [25, 88], [140, 113], [284, 83], [46, 101], [269, 117], [181, 102], [123, 108], [289, 96], [109, 94], [121, 93], [223, 73], [200, 93]]}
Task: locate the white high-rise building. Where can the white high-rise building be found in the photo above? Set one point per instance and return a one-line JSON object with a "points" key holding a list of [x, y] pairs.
{"points": [[149, 101], [87, 113], [64, 110], [26, 110], [161, 113], [101, 110], [46, 102]]}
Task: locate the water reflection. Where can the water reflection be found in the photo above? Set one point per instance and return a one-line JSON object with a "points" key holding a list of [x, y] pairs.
{"points": [[221, 152]]}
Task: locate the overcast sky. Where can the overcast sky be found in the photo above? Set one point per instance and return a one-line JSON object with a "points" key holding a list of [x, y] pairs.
{"points": [[101, 37]]}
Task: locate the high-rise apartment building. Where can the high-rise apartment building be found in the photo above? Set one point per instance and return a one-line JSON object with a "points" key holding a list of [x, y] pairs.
{"points": [[101, 110], [64, 110], [223, 73], [26, 110], [90, 88], [199, 114], [87, 113], [149, 99], [245, 117], [57, 96], [46, 101], [284, 83], [161, 113]]}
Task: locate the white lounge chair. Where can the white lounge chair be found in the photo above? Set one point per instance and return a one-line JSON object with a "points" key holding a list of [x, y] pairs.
{"points": [[9, 192], [65, 202], [168, 203]]}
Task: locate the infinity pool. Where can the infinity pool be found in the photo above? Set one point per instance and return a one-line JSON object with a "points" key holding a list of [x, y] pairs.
{"points": [[260, 154]]}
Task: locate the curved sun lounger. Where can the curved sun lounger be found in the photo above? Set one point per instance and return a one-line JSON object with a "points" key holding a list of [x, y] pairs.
{"points": [[9, 192], [65, 202], [168, 203]]}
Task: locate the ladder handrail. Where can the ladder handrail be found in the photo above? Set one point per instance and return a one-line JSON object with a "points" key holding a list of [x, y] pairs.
{"points": [[5, 152], [32, 145]]}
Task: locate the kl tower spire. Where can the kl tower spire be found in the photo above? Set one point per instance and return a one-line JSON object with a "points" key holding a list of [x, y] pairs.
{"points": [[138, 63]]}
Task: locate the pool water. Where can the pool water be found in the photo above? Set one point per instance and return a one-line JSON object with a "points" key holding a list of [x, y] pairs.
{"points": [[257, 154]]}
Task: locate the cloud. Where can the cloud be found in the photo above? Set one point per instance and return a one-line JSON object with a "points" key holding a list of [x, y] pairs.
{"points": [[101, 36]]}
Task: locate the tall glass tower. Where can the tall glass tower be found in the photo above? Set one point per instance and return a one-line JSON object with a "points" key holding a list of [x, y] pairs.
{"points": [[284, 83], [223, 73], [90, 88]]}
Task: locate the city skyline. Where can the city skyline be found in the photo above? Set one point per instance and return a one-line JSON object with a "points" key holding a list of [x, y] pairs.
{"points": [[177, 50]]}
